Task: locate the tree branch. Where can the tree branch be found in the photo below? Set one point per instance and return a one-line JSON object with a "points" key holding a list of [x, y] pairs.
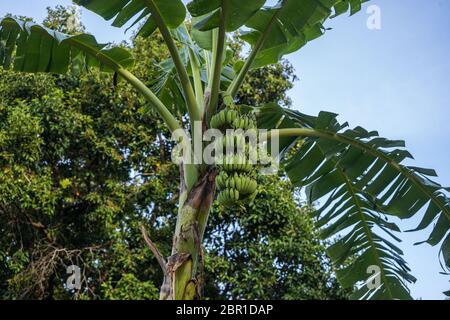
{"points": [[154, 249]]}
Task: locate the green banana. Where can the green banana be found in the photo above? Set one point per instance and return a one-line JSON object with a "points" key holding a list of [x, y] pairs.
{"points": [[235, 180], [242, 183], [223, 119]]}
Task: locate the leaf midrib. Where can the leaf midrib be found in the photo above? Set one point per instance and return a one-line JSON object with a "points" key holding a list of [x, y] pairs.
{"points": [[367, 229], [330, 135]]}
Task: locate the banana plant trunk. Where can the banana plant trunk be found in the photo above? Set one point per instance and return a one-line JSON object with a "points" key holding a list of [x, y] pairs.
{"points": [[183, 270]]}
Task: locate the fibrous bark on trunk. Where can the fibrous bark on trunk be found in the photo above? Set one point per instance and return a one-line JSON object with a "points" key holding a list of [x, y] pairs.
{"points": [[181, 270]]}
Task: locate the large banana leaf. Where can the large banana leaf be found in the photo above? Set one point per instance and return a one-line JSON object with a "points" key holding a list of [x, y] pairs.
{"points": [[172, 12], [33, 48], [238, 12], [289, 25], [167, 85], [359, 181]]}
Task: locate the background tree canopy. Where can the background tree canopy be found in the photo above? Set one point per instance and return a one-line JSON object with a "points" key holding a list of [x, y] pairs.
{"points": [[84, 165]]}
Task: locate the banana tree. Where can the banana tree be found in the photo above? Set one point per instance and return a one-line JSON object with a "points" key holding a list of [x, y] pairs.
{"points": [[357, 177]]}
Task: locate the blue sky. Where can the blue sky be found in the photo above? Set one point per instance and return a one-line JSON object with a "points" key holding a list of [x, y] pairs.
{"points": [[395, 80]]}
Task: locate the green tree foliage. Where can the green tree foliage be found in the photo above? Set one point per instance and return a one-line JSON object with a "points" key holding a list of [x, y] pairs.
{"points": [[268, 251], [84, 164], [66, 171], [362, 177], [64, 19]]}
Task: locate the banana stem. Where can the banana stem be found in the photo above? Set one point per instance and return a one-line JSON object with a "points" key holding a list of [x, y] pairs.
{"points": [[217, 62], [165, 114], [239, 80], [194, 111]]}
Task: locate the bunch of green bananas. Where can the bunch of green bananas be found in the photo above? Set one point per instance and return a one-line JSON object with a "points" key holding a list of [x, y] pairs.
{"points": [[245, 185], [235, 182], [228, 196], [232, 163], [244, 123], [230, 142], [231, 119], [236, 144]]}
